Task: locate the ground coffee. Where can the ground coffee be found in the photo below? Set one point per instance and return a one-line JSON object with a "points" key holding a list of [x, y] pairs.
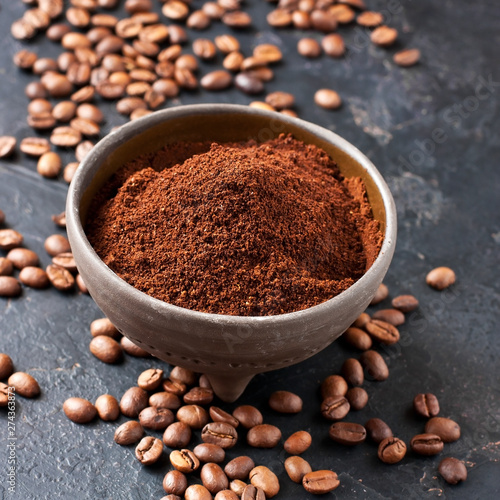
{"points": [[243, 228]]}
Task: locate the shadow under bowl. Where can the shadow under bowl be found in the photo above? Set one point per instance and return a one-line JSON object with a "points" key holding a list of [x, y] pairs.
{"points": [[229, 349]]}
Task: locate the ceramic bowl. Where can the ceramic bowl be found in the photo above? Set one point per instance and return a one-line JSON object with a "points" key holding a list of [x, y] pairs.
{"points": [[229, 349]]}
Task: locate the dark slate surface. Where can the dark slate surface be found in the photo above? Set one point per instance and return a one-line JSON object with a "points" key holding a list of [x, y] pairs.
{"points": [[447, 199]]}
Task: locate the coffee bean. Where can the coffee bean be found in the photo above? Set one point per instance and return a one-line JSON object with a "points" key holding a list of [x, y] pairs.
{"points": [[381, 294], [171, 497], [177, 435], [280, 100], [407, 57], [134, 400], [9, 287], [39, 106], [7, 145], [237, 19], [446, 428], [233, 61], [6, 267], [426, 405], [49, 165], [175, 10], [166, 87], [320, 482], [377, 430], [263, 436], [34, 146], [216, 80], [79, 410], [149, 450], [309, 47], [22, 30], [56, 244], [109, 90], [347, 433], [335, 407], [357, 338], [248, 84], [184, 460], [227, 43], [261, 105], [5, 394], [440, 278], [150, 379], [103, 326], [226, 494], [107, 407], [106, 349], [219, 433], [298, 442], [24, 59], [327, 99], [353, 372], [208, 452], [426, 444], [64, 111], [383, 332], [22, 257], [250, 492], [80, 284], [357, 397], [239, 467], [193, 415], [69, 171], [83, 149], [279, 18], [219, 415], [57, 85], [165, 400], [154, 418], [452, 470], [265, 479], [285, 402], [268, 52], [391, 316], [391, 450], [213, 478], [198, 20], [333, 385], [34, 90], [252, 62], [65, 137], [132, 349], [175, 483], [2, 216], [128, 433], [6, 366], [175, 387], [374, 365], [370, 19], [34, 277], [297, 468], [239, 487], [42, 121], [405, 303], [65, 260], [197, 492], [248, 416], [384, 36]]}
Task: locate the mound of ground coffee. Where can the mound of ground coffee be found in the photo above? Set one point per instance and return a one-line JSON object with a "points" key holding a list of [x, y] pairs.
{"points": [[242, 228]]}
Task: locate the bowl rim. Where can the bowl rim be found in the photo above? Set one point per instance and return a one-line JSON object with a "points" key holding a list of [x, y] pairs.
{"points": [[121, 135]]}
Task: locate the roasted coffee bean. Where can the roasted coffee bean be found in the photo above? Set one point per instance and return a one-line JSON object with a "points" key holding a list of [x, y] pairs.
{"points": [[370, 19], [197, 492], [320, 482], [426, 444], [7, 145], [175, 387], [10, 239], [208, 452], [265, 479], [150, 379], [239, 467], [35, 89], [134, 400], [285, 402], [381, 294], [309, 47], [263, 436], [353, 372], [6, 366], [34, 277], [333, 385], [219, 433], [233, 61], [59, 219], [149, 450], [374, 365], [327, 99], [64, 111], [298, 442], [42, 121], [213, 478], [216, 80], [171, 497], [80, 284], [405, 303], [107, 407], [165, 400], [261, 105], [252, 62], [22, 257], [219, 415], [106, 349], [157, 419], [227, 43], [22, 30], [198, 20], [128, 433], [65, 260], [39, 106], [49, 165], [250, 492], [57, 85], [440, 278], [198, 395], [426, 405], [2, 216], [347, 433], [24, 59], [268, 52], [391, 450], [452, 470], [279, 18], [377, 430], [335, 407], [383, 332], [204, 48], [357, 338], [204, 382], [9, 287], [79, 410], [126, 105], [5, 393], [280, 100], [6, 267], [323, 20], [83, 149], [237, 19], [177, 435], [384, 36], [56, 244], [357, 397], [226, 495], [166, 87], [56, 32], [60, 278], [297, 468], [132, 349], [34, 146], [103, 326], [239, 487], [90, 112], [248, 416], [193, 415], [184, 460], [65, 137], [85, 126], [24, 384], [109, 90], [407, 57], [175, 482], [446, 428], [248, 83], [391, 316], [175, 10]]}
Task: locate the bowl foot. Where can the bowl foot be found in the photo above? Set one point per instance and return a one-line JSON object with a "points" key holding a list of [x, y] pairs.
{"points": [[229, 388]]}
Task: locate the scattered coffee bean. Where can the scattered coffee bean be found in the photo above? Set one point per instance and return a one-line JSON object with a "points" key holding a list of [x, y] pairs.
{"points": [[6, 267], [80, 284], [405, 303], [56, 244], [263, 436], [335, 407], [60, 278], [193, 415], [79, 410], [426, 405], [383, 332], [333, 385], [7, 145], [217, 80], [103, 326], [219, 415], [320, 482], [132, 349], [377, 430], [134, 400], [248, 416], [213, 478], [9, 287], [370, 19], [264, 478], [333, 45], [34, 277], [65, 260], [374, 365], [250, 492], [391, 316], [239, 468], [327, 99], [199, 395], [10, 239], [6, 366], [175, 482], [309, 47], [177, 435], [384, 36], [157, 419], [197, 492], [347, 433], [239, 487], [106, 349], [248, 83], [184, 460], [227, 43], [452, 470], [107, 407], [165, 400], [440, 278], [297, 468], [407, 57], [149, 450], [208, 452], [357, 397], [226, 495], [357, 338], [175, 387], [219, 433], [5, 394], [129, 433], [183, 375], [237, 19], [446, 428], [353, 372], [22, 257], [285, 402], [298, 442], [426, 444], [150, 379], [381, 294], [391, 450]]}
